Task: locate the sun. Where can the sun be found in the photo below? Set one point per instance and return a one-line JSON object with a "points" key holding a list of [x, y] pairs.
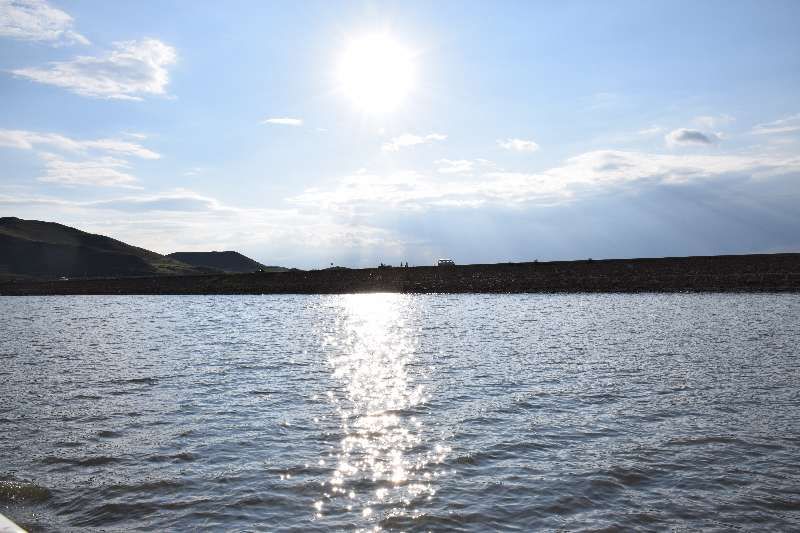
{"points": [[376, 73]]}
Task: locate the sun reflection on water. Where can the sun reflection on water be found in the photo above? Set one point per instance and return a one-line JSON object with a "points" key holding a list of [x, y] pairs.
{"points": [[384, 460]]}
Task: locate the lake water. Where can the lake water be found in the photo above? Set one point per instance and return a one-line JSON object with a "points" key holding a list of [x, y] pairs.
{"points": [[425, 412]]}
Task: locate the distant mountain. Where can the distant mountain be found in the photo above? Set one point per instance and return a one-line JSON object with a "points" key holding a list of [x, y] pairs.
{"points": [[31, 248], [225, 261]]}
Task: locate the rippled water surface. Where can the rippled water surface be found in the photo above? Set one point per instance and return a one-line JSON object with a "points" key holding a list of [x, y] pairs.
{"points": [[433, 412]]}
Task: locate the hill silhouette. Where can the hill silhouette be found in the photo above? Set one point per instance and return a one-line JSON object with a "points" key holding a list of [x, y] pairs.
{"points": [[228, 261], [36, 249]]}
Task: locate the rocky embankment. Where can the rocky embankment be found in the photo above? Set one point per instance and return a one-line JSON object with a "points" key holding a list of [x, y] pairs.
{"points": [[735, 273]]}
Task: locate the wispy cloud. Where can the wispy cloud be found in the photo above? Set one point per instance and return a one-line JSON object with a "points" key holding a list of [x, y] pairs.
{"points": [[652, 130], [28, 140], [97, 162], [99, 171], [788, 124], [712, 121], [132, 69], [284, 121], [408, 139], [461, 166], [454, 166], [370, 194], [36, 20], [685, 136], [518, 145], [179, 200], [194, 171]]}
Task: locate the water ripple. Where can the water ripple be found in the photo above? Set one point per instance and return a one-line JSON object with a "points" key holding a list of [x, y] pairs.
{"points": [[395, 412]]}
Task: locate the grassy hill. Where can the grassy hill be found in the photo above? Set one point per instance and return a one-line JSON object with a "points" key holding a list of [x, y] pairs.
{"points": [[36, 249], [225, 261]]}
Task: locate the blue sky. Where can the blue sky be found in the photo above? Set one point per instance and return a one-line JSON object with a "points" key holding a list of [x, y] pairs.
{"points": [[526, 130]]}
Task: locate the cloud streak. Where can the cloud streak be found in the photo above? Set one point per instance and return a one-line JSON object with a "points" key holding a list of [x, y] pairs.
{"points": [[408, 139], [284, 121], [518, 145], [36, 20], [461, 166], [98, 162], [28, 140], [100, 171], [133, 69], [790, 124], [713, 121]]}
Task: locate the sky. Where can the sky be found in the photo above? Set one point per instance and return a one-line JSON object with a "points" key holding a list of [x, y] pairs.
{"points": [[308, 133]]}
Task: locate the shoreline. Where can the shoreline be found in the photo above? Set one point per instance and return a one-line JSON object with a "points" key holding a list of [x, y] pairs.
{"points": [[727, 273]]}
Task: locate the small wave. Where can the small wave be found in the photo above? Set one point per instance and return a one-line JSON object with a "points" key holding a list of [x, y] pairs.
{"points": [[697, 441], [147, 487], [629, 476], [135, 381], [68, 444], [569, 504], [17, 491], [86, 397], [111, 513], [780, 504], [424, 522], [99, 460], [182, 457]]}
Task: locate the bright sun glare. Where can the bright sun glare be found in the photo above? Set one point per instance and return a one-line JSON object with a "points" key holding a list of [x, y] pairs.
{"points": [[376, 72]]}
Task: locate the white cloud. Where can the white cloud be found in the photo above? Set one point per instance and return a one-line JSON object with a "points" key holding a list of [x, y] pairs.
{"points": [[408, 139], [712, 121], [461, 166], [132, 69], [28, 140], [370, 194], [454, 166], [178, 200], [121, 147], [36, 20], [100, 171], [518, 145], [652, 130], [194, 171], [790, 124], [685, 136], [97, 162], [284, 121]]}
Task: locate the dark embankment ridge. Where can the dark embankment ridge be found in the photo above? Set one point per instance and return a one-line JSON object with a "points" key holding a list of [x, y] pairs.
{"points": [[732, 273], [36, 249], [230, 262]]}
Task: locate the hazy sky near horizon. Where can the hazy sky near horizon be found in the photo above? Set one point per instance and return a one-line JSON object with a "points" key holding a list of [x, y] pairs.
{"points": [[304, 133]]}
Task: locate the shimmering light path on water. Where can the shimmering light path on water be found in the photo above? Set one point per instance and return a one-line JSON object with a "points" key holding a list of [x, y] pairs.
{"points": [[429, 412]]}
